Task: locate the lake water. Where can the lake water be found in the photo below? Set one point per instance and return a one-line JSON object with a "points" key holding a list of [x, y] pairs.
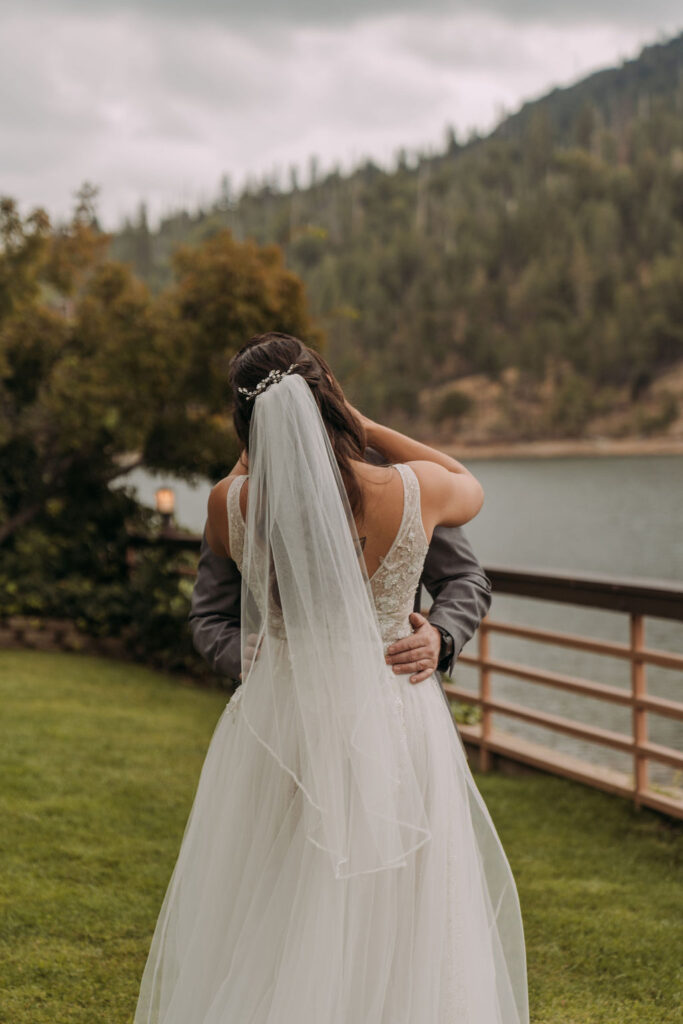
{"points": [[617, 515]]}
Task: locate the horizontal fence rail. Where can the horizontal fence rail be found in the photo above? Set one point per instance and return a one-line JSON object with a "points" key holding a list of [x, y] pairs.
{"points": [[636, 598]]}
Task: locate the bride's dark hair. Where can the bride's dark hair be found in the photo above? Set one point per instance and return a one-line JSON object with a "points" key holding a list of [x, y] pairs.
{"points": [[277, 351]]}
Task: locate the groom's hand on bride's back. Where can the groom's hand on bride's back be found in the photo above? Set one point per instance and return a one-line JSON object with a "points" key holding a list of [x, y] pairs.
{"points": [[417, 653]]}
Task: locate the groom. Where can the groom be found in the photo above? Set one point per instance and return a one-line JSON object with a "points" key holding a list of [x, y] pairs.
{"points": [[459, 587]]}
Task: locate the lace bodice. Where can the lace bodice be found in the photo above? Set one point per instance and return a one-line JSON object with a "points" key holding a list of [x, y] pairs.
{"points": [[395, 581], [397, 578]]}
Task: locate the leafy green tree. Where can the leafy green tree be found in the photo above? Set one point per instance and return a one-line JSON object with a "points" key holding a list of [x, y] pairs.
{"points": [[98, 375], [94, 369]]}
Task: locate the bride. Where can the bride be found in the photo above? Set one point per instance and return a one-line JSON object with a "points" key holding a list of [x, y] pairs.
{"points": [[339, 865]]}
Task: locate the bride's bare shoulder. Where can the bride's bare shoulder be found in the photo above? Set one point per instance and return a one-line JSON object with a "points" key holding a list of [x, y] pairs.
{"points": [[430, 474], [447, 498], [373, 473], [434, 481]]}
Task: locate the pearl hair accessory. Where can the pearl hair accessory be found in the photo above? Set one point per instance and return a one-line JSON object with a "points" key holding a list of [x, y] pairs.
{"points": [[273, 377]]}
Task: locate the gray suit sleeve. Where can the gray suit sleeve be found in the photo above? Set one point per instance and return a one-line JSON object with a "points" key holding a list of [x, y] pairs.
{"points": [[215, 612], [459, 587]]}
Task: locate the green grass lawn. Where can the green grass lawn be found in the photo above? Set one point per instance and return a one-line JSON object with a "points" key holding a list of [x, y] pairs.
{"points": [[99, 766]]}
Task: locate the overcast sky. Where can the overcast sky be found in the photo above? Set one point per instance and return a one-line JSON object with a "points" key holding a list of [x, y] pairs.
{"points": [[156, 99]]}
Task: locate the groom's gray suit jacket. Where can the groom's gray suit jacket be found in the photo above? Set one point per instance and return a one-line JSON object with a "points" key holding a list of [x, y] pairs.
{"points": [[459, 587]]}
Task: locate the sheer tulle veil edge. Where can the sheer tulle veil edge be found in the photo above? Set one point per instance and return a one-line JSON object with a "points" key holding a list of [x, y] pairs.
{"points": [[317, 695]]}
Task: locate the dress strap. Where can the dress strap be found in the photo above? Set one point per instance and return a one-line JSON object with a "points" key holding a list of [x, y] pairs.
{"points": [[412, 510], [235, 520]]}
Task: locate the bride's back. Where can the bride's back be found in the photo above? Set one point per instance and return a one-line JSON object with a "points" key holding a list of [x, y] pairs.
{"points": [[378, 523], [391, 531]]}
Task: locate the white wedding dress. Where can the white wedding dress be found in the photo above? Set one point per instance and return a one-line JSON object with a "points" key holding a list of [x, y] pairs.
{"points": [[256, 929]]}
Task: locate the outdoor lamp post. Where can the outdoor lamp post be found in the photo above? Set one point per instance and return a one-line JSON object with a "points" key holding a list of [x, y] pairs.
{"points": [[165, 503]]}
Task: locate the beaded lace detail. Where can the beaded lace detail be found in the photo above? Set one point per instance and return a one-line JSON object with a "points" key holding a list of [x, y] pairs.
{"points": [[397, 578], [235, 520], [394, 582]]}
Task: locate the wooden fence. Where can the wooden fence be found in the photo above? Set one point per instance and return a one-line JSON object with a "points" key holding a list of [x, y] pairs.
{"points": [[634, 598]]}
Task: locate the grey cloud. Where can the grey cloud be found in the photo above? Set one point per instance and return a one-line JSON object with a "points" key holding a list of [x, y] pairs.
{"points": [[153, 105], [666, 13]]}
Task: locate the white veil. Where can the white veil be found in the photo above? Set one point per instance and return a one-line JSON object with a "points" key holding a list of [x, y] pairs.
{"points": [[317, 695]]}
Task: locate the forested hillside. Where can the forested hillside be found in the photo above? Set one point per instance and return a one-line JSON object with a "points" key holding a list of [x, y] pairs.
{"points": [[527, 284]]}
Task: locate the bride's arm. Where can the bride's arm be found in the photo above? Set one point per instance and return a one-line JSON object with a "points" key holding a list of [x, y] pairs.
{"points": [[454, 495], [397, 447]]}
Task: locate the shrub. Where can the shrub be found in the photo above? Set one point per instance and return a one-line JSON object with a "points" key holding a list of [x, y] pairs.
{"points": [[453, 406]]}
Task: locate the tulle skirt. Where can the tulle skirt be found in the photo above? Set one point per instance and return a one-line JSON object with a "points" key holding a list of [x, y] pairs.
{"points": [[255, 929]]}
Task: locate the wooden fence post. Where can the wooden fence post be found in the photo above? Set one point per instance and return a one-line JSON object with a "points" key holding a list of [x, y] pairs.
{"points": [[638, 687]]}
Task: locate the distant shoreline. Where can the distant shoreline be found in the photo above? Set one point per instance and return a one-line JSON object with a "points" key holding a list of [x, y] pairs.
{"points": [[535, 449], [565, 448]]}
